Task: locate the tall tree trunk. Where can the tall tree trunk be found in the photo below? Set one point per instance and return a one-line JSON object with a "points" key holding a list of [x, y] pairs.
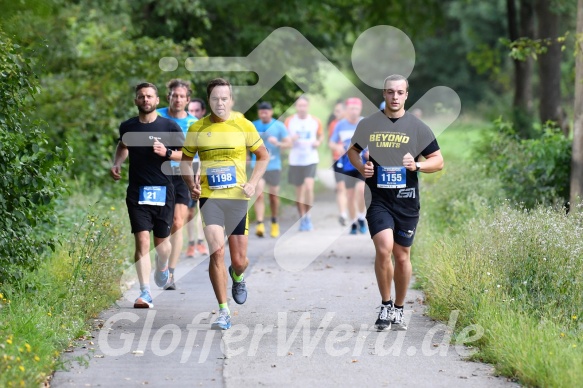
{"points": [[523, 70], [523, 96], [549, 64], [577, 158]]}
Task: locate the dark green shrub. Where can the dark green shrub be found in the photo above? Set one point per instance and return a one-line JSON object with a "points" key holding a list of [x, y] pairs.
{"points": [[31, 172], [532, 171]]}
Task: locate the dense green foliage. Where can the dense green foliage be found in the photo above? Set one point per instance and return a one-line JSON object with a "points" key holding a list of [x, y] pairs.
{"points": [[88, 85], [47, 310], [32, 168], [67, 71], [511, 272], [89, 54], [531, 171]]}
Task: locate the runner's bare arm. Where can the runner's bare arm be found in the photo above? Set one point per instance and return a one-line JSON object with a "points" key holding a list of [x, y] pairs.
{"points": [[160, 149], [188, 176], [433, 162], [121, 154], [367, 169], [319, 139], [338, 147], [262, 159], [286, 142]]}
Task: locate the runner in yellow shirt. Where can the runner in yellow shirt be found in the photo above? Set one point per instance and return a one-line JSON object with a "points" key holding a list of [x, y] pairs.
{"points": [[222, 140]]}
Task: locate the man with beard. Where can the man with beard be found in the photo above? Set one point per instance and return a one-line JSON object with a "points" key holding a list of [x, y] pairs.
{"points": [[149, 140]]}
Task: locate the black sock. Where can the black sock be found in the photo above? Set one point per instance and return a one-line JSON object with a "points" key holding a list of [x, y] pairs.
{"points": [[274, 220], [398, 307], [388, 302], [259, 222], [200, 241], [191, 242]]}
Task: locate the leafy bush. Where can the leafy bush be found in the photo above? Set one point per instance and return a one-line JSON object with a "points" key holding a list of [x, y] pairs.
{"points": [[47, 310], [517, 274], [532, 171], [31, 170], [88, 62]]}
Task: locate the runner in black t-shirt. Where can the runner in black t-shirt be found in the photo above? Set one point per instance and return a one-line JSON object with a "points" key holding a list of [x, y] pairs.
{"points": [[149, 140], [395, 140]]}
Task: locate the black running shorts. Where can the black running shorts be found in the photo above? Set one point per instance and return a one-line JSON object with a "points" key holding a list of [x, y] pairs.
{"points": [[151, 218], [228, 213], [182, 194], [380, 217]]}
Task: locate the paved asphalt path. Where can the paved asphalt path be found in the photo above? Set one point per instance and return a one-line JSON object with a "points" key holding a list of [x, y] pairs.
{"points": [[308, 322]]}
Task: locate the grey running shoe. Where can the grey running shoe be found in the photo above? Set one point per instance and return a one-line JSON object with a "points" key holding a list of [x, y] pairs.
{"points": [[383, 322], [223, 321], [239, 289], [397, 320]]}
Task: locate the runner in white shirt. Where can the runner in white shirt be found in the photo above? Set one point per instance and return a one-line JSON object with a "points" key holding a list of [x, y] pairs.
{"points": [[306, 134]]}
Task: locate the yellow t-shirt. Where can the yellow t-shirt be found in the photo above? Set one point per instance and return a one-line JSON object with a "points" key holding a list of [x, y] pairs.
{"points": [[222, 148]]}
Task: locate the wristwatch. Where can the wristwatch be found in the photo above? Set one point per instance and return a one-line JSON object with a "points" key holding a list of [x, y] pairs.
{"points": [[417, 166], [168, 153]]}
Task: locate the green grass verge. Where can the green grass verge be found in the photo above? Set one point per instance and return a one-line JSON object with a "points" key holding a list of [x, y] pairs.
{"points": [[43, 314], [514, 273]]}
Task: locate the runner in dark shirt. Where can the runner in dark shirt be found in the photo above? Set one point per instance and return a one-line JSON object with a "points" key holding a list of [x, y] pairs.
{"points": [[396, 140], [149, 141]]}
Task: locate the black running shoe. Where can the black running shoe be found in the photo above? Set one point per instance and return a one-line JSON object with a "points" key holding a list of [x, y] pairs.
{"points": [[397, 319], [383, 322]]}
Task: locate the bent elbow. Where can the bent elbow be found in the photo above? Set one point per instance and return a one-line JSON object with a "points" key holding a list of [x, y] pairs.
{"points": [[441, 165]]}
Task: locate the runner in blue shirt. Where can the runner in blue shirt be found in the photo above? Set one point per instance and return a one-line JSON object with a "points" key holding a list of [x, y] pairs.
{"points": [[275, 137], [197, 108], [340, 141], [178, 98]]}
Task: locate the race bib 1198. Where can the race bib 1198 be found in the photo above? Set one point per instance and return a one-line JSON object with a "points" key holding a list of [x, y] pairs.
{"points": [[221, 177]]}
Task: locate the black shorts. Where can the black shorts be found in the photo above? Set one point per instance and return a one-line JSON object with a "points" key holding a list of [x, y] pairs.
{"points": [[298, 174], [228, 213], [151, 218], [350, 178], [272, 177], [181, 192], [379, 217]]}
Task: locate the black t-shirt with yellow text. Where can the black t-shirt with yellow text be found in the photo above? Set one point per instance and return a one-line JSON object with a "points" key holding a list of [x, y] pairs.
{"points": [[388, 142]]}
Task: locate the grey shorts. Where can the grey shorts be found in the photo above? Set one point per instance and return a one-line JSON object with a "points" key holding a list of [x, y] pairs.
{"points": [[298, 174], [272, 177], [228, 213]]}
